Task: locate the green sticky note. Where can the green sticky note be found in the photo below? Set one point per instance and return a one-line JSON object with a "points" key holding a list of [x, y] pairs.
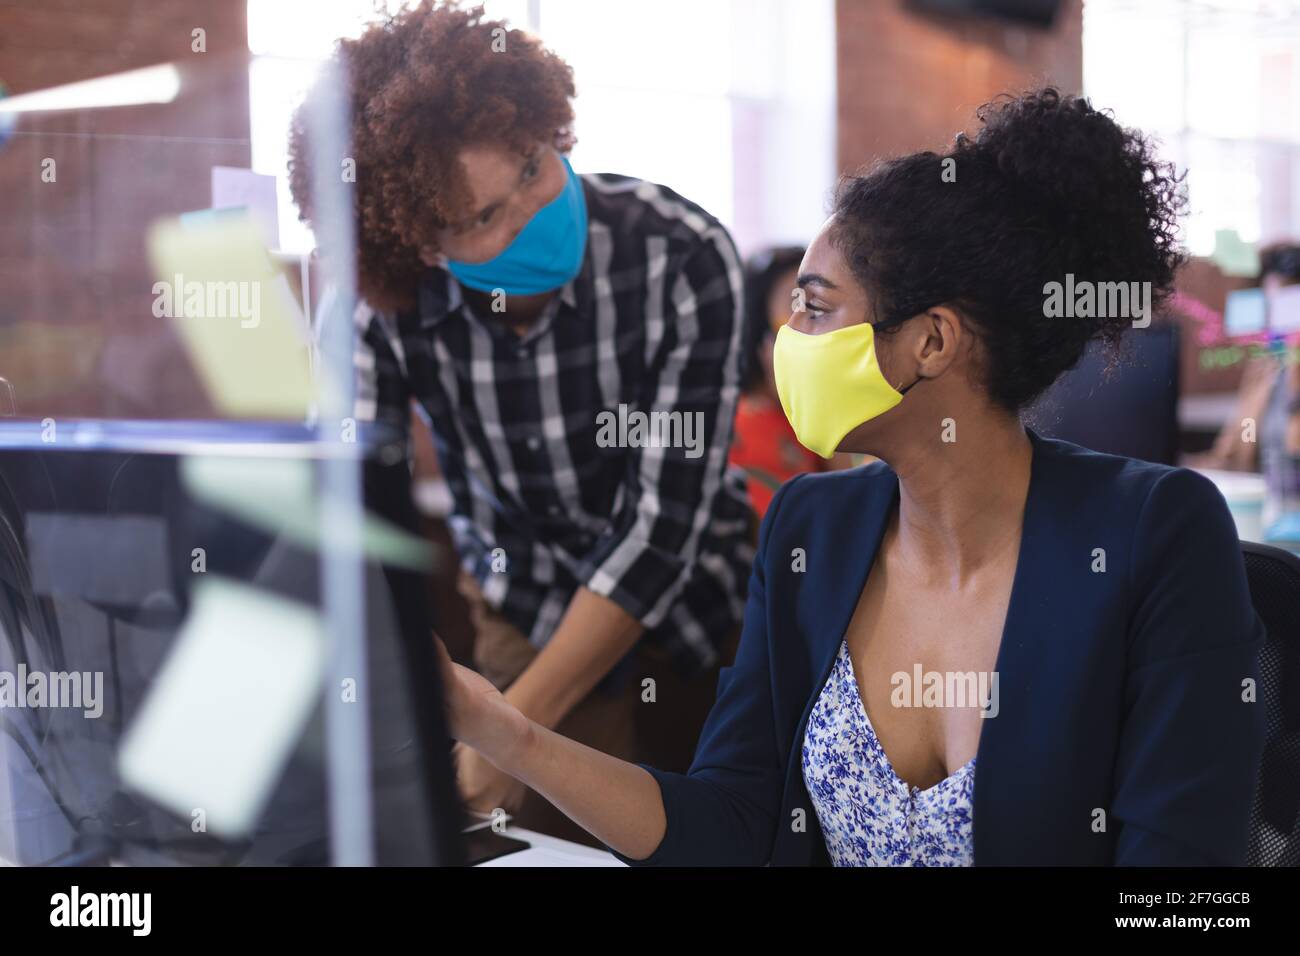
{"points": [[1233, 255], [278, 495], [234, 311]]}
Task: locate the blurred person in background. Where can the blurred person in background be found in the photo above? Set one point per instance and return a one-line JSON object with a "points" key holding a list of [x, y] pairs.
{"points": [[1269, 391], [521, 307], [765, 445], [1279, 445]]}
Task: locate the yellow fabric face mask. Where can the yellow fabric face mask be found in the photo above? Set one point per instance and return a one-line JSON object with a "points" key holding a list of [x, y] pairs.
{"points": [[829, 384]]}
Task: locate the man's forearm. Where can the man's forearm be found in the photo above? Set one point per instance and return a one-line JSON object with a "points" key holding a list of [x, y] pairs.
{"points": [[593, 636]]}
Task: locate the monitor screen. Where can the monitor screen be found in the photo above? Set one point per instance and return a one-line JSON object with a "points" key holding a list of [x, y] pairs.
{"points": [[163, 655], [1246, 312]]}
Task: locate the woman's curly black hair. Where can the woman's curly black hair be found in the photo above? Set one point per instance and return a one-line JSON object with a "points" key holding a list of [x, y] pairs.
{"points": [[1046, 186]]}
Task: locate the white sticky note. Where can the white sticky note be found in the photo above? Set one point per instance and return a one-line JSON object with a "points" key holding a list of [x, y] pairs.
{"points": [[1284, 310], [227, 707], [235, 188]]}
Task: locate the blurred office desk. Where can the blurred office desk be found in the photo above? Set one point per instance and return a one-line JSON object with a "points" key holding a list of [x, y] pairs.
{"points": [[1244, 491], [1206, 411], [549, 851], [543, 851], [1201, 417]]}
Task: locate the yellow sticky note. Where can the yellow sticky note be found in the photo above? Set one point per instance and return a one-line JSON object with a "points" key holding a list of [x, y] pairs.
{"points": [[232, 307]]}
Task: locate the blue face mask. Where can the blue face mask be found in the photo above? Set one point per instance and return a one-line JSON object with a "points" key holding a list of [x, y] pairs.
{"points": [[545, 255]]}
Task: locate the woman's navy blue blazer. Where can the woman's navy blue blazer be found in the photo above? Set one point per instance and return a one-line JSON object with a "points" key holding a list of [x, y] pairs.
{"points": [[1126, 732]]}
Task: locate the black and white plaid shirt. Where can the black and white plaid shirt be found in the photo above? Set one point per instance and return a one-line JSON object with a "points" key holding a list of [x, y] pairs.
{"points": [[652, 324]]}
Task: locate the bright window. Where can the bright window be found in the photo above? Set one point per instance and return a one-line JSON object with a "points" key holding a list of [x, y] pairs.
{"points": [[729, 102], [1218, 81]]}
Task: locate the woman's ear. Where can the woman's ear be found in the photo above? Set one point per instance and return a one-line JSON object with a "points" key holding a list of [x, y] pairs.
{"points": [[945, 335]]}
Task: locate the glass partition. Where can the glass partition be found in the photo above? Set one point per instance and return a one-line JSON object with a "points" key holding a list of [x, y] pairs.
{"points": [[213, 640]]}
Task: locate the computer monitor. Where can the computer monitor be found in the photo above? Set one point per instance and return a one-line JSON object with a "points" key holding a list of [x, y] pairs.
{"points": [[1245, 313], [1122, 405], [99, 534]]}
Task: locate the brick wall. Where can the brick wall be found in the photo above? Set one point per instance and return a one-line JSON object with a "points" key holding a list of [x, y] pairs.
{"points": [[77, 336], [909, 81]]}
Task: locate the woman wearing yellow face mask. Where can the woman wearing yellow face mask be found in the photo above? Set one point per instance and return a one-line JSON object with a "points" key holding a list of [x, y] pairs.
{"points": [[988, 647]]}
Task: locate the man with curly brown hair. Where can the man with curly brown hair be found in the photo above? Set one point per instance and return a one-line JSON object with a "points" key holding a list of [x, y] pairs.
{"points": [[574, 344]]}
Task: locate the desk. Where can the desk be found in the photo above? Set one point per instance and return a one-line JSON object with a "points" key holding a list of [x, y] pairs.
{"points": [[1245, 493], [543, 851], [549, 851], [1206, 411]]}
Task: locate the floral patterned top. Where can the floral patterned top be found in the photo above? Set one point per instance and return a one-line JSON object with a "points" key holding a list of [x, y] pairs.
{"points": [[868, 816]]}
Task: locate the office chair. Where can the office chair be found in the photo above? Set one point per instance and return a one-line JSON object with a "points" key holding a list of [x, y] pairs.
{"points": [[1130, 410], [1274, 578]]}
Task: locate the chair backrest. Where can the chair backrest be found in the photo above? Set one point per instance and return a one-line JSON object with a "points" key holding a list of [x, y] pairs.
{"points": [[1274, 577], [1130, 409]]}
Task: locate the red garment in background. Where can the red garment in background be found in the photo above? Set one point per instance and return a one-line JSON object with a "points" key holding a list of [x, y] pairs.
{"points": [[766, 448]]}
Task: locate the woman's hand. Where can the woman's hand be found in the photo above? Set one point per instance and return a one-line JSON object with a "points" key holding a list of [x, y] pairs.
{"points": [[478, 715], [482, 786], [617, 802]]}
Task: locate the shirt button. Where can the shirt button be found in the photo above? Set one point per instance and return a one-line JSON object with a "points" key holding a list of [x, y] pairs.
{"points": [[534, 443]]}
